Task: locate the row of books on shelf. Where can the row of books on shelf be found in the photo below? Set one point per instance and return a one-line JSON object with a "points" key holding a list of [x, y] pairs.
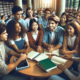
{"points": [[43, 60]]}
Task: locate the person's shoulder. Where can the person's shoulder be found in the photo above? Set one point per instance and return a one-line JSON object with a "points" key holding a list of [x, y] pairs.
{"points": [[60, 28]]}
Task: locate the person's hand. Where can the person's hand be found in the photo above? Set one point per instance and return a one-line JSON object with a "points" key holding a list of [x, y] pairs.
{"points": [[50, 48], [67, 57], [63, 51], [39, 49], [23, 51], [61, 67], [23, 56]]}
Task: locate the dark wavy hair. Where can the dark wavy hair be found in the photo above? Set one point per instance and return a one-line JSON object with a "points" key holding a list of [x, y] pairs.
{"points": [[11, 29], [66, 17], [26, 12], [30, 24], [73, 25], [2, 28]]}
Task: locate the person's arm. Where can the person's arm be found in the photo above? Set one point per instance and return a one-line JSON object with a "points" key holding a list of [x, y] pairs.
{"points": [[57, 47], [67, 72], [45, 38], [40, 26], [13, 65], [70, 75], [45, 45], [40, 38], [39, 22], [13, 53]]}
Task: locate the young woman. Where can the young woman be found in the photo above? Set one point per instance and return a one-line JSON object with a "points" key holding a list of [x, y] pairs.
{"points": [[71, 40], [78, 17], [17, 36], [35, 35], [63, 20], [29, 16]]}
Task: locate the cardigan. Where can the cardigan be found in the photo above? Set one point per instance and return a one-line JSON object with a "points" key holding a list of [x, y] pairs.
{"points": [[65, 42], [38, 41]]}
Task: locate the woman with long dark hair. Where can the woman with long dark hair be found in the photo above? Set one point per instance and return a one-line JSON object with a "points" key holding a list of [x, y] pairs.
{"points": [[35, 35], [17, 36]]}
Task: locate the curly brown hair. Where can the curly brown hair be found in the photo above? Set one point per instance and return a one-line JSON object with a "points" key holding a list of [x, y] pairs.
{"points": [[11, 29]]}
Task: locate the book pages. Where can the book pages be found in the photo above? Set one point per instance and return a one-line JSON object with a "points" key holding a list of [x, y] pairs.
{"points": [[55, 52], [41, 57], [32, 54], [58, 60]]}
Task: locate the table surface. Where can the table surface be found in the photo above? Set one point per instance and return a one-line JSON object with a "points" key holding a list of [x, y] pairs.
{"points": [[36, 71]]}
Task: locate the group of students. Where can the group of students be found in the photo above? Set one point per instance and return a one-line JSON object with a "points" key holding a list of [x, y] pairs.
{"points": [[46, 31]]}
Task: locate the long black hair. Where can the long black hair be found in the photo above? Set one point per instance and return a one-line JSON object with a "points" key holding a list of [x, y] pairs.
{"points": [[11, 29], [30, 24], [66, 17]]}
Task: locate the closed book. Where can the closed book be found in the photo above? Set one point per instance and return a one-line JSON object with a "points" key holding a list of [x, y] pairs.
{"points": [[47, 65]]}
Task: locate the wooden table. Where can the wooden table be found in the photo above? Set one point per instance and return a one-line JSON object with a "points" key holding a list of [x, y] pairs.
{"points": [[35, 71]]}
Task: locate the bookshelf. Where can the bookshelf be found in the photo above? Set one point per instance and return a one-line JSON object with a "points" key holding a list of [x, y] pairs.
{"points": [[6, 8]]}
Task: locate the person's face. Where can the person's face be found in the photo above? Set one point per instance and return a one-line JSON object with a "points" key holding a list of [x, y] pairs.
{"points": [[52, 25], [18, 15], [47, 14], [63, 19], [34, 26], [78, 17], [29, 12], [70, 30], [40, 12], [3, 36], [17, 28]]}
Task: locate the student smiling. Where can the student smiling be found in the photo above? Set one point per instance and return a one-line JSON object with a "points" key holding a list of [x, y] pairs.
{"points": [[17, 36]]}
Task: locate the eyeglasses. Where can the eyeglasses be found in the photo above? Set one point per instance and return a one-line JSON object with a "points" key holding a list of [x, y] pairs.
{"points": [[47, 12]]}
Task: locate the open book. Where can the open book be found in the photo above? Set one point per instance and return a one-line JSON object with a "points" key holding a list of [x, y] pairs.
{"points": [[37, 56], [58, 60], [55, 52]]}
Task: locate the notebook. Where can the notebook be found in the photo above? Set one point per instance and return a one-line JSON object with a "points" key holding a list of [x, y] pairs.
{"points": [[47, 65], [22, 65], [37, 56]]}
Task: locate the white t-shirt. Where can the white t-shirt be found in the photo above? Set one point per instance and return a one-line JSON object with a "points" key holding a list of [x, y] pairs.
{"points": [[34, 35], [25, 38], [71, 41], [28, 20], [52, 40]]}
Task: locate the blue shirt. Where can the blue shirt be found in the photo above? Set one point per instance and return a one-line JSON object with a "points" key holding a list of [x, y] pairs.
{"points": [[59, 32], [44, 23], [22, 21]]}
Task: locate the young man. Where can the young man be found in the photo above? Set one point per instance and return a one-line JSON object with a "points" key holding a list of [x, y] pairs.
{"points": [[4, 68], [17, 11], [43, 21], [53, 36]]}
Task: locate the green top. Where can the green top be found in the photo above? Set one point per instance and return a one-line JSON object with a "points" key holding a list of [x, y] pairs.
{"points": [[62, 26], [47, 64]]}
